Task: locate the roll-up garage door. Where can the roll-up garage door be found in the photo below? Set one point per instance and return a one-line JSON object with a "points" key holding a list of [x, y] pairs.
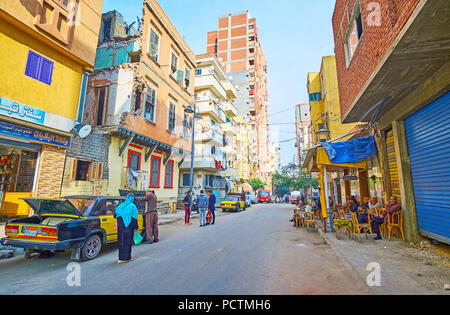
{"points": [[428, 136]]}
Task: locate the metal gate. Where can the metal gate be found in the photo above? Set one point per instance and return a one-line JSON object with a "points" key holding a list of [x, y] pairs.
{"points": [[428, 137]]}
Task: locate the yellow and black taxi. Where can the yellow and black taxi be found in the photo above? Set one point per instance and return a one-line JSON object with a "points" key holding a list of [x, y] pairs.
{"points": [[234, 202], [83, 224]]}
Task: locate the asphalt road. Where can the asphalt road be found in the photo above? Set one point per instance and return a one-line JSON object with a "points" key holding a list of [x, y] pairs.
{"points": [[253, 252]]}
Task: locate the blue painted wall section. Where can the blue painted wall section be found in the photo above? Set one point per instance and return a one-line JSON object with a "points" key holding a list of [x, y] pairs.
{"points": [[115, 54]]}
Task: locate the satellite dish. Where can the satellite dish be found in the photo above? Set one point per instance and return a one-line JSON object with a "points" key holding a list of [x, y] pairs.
{"points": [[85, 131]]}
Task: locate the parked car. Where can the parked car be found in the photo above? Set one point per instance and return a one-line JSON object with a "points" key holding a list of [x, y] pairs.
{"points": [[294, 197], [264, 196], [253, 199], [83, 224], [235, 202]]}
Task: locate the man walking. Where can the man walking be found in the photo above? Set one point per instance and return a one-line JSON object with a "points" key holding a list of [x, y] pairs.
{"points": [[202, 205], [212, 206], [187, 208], [151, 217]]}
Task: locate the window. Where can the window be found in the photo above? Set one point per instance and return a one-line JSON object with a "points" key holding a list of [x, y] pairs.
{"points": [[315, 97], [353, 36], [168, 181], [150, 104], [39, 68], [198, 72], [87, 171], [185, 126], [186, 180], [187, 79], [137, 100], [172, 117], [100, 95], [154, 172], [134, 160], [173, 65], [154, 45], [64, 3]]}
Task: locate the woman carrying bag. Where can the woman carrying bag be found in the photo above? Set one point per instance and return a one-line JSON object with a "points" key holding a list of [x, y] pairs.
{"points": [[126, 224]]}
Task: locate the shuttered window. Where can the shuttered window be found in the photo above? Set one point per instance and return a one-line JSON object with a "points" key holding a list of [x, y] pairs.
{"points": [[154, 172], [39, 68], [150, 104], [172, 117], [154, 45], [168, 181]]}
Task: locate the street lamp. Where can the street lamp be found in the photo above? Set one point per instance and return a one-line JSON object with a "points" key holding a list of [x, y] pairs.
{"points": [[189, 110]]}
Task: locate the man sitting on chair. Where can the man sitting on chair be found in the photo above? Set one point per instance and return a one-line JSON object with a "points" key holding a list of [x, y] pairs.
{"points": [[392, 207]]}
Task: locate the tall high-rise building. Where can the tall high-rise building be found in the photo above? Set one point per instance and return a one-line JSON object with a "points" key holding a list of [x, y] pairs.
{"points": [[303, 122], [236, 44]]}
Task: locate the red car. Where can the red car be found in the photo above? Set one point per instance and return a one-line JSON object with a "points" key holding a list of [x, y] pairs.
{"points": [[264, 196]]}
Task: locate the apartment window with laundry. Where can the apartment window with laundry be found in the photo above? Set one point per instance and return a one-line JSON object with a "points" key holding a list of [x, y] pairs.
{"points": [[134, 160], [150, 104], [172, 117], [154, 45], [173, 65], [354, 34]]}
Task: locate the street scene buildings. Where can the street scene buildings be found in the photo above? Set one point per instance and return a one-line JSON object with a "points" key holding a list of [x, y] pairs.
{"points": [[111, 127]]}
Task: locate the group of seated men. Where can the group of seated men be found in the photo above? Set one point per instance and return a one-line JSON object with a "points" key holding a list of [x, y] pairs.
{"points": [[370, 204]]}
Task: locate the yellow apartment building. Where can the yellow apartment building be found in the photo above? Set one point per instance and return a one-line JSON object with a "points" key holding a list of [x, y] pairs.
{"points": [[47, 48]]}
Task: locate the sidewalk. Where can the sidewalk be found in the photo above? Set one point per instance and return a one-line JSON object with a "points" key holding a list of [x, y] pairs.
{"points": [[405, 268]]}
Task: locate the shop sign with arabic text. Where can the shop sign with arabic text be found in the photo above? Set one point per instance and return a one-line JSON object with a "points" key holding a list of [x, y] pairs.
{"points": [[21, 111]]}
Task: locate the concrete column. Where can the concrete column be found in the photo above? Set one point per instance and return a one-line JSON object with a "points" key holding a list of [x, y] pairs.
{"points": [[406, 187]]}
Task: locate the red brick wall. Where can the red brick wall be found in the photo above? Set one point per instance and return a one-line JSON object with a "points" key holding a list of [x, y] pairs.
{"points": [[373, 44]]}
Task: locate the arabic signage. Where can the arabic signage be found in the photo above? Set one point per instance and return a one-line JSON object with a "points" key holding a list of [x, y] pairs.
{"points": [[33, 135], [21, 111]]}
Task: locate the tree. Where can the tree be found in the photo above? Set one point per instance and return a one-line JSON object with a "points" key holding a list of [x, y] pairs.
{"points": [[292, 178], [256, 183]]}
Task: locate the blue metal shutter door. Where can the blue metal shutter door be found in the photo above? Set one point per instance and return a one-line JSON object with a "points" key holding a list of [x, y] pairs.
{"points": [[428, 137]]}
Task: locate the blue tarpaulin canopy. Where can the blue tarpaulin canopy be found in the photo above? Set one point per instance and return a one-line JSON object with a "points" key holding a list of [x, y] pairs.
{"points": [[351, 151]]}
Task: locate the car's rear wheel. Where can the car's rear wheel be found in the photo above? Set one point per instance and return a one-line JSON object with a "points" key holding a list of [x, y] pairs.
{"points": [[91, 247]]}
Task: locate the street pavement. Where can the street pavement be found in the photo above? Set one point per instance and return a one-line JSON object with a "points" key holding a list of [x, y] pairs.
{"points": [[257, 251]]}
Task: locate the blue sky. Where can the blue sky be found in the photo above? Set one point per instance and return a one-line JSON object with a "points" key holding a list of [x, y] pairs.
{"points": [[295, 34]]}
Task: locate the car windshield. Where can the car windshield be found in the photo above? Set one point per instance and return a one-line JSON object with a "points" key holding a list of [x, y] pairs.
{"points": [[263, 193], [82, 204], [231, 198]]}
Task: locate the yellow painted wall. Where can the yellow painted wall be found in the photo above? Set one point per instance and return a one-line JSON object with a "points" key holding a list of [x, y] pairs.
{"points": [[83, 45], [60, 98], [326, 83], [331, 99]]}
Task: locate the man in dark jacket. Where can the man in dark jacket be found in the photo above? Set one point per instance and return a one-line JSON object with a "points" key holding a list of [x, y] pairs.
{"points": [[151, 217], [187, 208], [212, 206]]}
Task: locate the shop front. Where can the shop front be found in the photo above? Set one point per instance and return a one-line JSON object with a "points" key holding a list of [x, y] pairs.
{"points": [[31, 164]]}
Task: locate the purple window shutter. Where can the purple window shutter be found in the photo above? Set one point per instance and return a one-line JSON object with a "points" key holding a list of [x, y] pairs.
{"points": [[46, 72], [33, 65]]}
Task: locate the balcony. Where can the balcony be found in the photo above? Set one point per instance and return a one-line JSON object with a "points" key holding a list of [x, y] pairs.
{"points": [[229, 129], [213, 136], [204, 107], [209, 81], [230, 110], [200, 163]]}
